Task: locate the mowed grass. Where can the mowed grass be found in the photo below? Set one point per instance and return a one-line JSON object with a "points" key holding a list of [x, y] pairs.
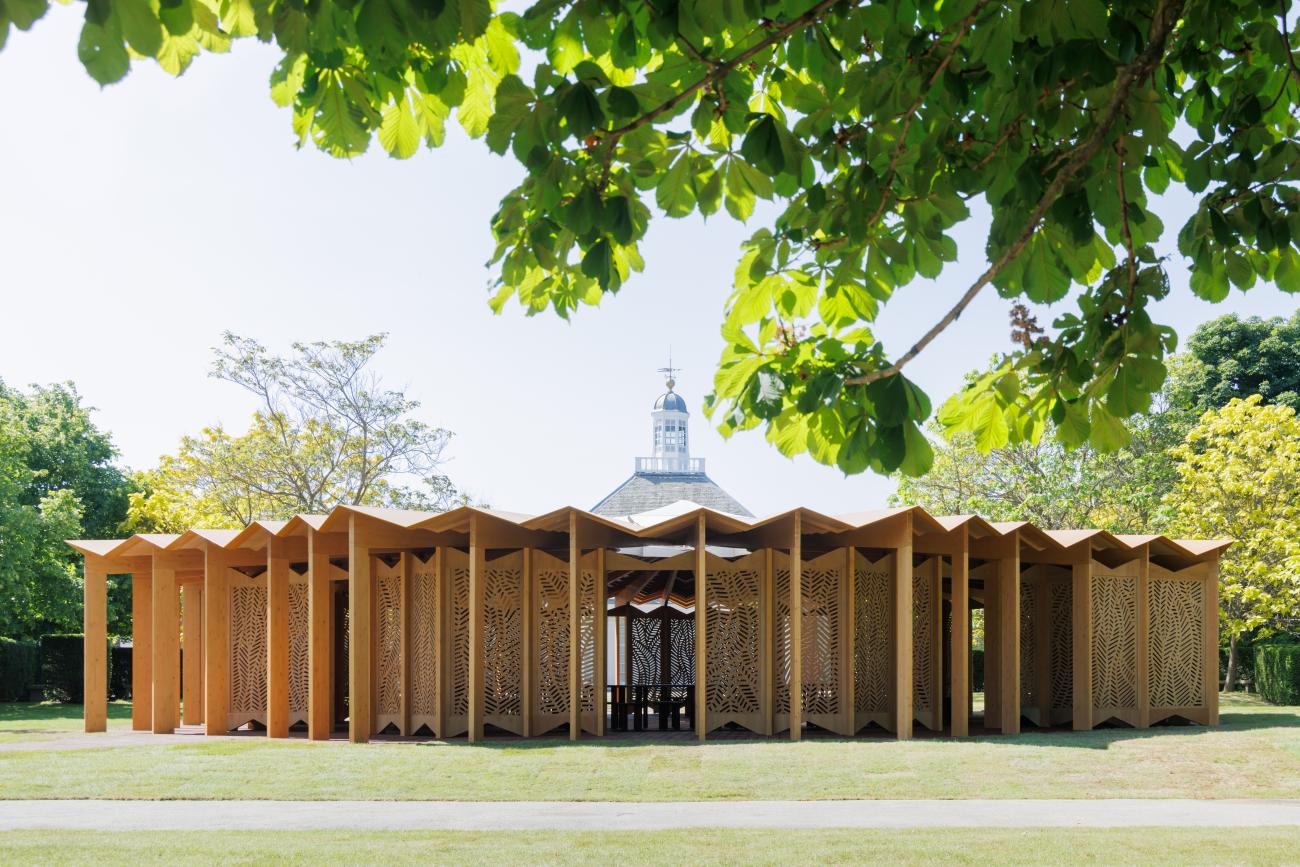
{"points": [[1254, 753], [31, 722], [697, 847]]}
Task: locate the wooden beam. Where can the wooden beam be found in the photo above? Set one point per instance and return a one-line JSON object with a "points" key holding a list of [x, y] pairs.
{"points": [[575, 624], [701, 632], [319, 634], [601, 630], [192, 696], [477, 567], [216, 641], [796, 629], [95, 650], [1081, 625], [361, 591], [142, 649], [959, 642], [902, 650], [166, 647], [277, 640]]}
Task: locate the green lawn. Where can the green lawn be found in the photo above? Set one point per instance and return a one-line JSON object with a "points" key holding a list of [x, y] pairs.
{"points": [[708, 846], [32, 722], [1255, 753]]}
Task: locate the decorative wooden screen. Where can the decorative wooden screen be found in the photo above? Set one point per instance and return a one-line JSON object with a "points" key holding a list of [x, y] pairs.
{"points": [[248, 659], [823, 627], [299, 656], [1176, 654], [551, 676], [927, 610], [457, 696], [1114, 646], [388, 644], [424, 645], [734, 626], [681, 651], [872, 637], [587, 623], [1029, 590], [503, 587], [781, 595], [645, 637], [1062, 653]]}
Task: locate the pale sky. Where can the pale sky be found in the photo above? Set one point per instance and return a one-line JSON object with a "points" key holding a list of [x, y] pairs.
{"points": [[139, 222]]}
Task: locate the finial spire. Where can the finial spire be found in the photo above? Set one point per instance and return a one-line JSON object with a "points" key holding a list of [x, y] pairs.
{"points": [[670, 371]]}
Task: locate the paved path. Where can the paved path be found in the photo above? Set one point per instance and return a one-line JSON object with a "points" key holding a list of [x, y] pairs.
{"points": [[605, 815]]}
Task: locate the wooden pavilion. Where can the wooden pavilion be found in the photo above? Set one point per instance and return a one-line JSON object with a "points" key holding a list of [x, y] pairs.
{"points": [[472, 621]]}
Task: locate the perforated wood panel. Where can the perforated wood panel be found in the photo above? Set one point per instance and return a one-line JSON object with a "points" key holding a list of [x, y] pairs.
{"points": [[923, 603], [587, 639], [1176, 657], [424, 645], [457, 697], [247, 650], [681, 652], [551, 576], [1062, 653], [1028, 649], [1114, 647], [781, 654], [503, 642], [647, 649], [388, 645], [871, 645], [299, 658], [733, 630], [823, 626]]}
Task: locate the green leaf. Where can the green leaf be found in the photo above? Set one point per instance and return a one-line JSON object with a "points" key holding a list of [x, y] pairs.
{"points": [[23, 13], [103, 53], [1108, 432], [675, 193], [399, 132], [597, 264], [514, 104], [918, 454], [581, 110], [140, 26], [618, 219], [1287, 273]]}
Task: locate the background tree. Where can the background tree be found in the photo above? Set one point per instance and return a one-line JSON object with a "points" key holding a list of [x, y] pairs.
{"points": [[57, 482], [1239, 357], [871, 125], [1239, 477], [326, 432]]}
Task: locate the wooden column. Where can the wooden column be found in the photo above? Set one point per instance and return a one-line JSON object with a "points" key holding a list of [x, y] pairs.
{"points": [[477, 566], [701, 632], [142, 651], [192, 696], [1211, 638], [319, 645], [796, 629], [848, 602], [1143, 634], [361, 592], [575, 625], [902, 651], [408, 575], [527, 651], [959, 643], [216, 641], [767, 641], [1009, 637], [277, 639], [601, 629], [1081, 625], [166, 646], [95, 651]]}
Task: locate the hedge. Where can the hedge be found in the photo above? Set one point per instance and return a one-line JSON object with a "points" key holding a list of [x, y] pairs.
{"points": [[977, 670], [62, 667], [20, 667], [1277, 672], [119, 673]]}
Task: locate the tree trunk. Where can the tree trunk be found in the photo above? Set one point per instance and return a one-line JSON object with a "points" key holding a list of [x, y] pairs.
{"points": [[1231, 677]]}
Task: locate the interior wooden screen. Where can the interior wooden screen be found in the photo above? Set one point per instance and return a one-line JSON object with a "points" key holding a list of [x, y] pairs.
{"points": [[1060, 656], [927, 643], [825, 672], [591, 603], [456, 643], [248, 650], [424, 634], [1046, 648], [872, 641], [734, 627], [781, 631], [1114, 592], [388, 643], [550, 600], [503, 600], [299, 655], [1176, 644]]}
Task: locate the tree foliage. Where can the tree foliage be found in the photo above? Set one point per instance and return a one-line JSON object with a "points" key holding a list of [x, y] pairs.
{"points": [[326, 431], [1239, 477], [871, 126], [1239, 357], [57, 482]]}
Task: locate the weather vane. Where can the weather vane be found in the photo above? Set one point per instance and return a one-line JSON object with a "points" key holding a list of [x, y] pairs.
{"points": [[670, 371]]}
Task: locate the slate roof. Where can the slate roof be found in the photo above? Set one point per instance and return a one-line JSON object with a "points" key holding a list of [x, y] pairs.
{"points": [[645, 492]]}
